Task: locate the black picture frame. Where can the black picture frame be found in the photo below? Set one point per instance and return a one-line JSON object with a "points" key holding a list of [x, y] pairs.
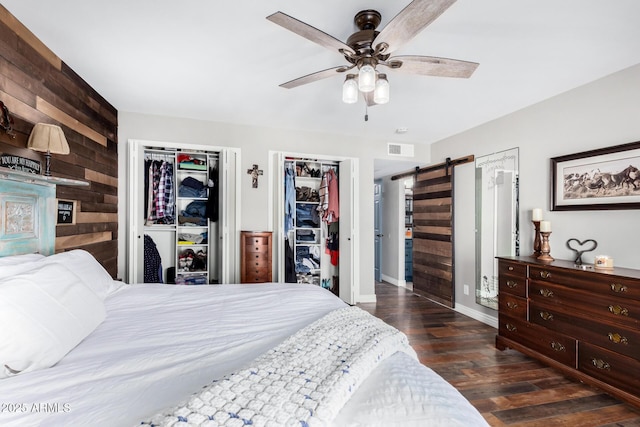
{"points": [[602, 179], [66, 210]]}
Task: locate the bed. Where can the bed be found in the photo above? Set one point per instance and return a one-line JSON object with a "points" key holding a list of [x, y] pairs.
{"points": [[132, 354]]}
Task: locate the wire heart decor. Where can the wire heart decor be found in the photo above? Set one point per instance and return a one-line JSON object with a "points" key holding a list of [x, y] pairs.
{"points": [[581, 248]]}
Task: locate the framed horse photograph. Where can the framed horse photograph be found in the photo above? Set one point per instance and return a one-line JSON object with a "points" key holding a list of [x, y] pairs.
{"points": [[605, 178]]}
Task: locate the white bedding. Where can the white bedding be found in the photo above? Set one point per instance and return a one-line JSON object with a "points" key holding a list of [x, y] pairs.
{"points": [[140, 360]]}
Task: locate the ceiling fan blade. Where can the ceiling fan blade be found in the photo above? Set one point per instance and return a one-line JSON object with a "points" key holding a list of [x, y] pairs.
{"points": [[310, 78], [308, 32], [410, 21], [432, 66]]}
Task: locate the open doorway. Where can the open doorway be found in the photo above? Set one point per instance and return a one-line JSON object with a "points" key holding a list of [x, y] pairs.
{"points": [[393, 222]]}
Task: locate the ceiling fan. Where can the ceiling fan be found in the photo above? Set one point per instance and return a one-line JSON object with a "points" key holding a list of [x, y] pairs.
{"points": [[368, 48]]}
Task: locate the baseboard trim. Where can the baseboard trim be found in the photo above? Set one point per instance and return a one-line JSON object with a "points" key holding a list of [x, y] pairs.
{"points": [[394, 281], [367, 298], [477, 315]]}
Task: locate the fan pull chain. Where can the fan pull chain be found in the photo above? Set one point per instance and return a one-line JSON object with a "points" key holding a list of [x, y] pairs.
{"points": [[366, 113]]}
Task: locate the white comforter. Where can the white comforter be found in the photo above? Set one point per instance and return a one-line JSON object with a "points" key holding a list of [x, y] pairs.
{"points": [[161, 343]]}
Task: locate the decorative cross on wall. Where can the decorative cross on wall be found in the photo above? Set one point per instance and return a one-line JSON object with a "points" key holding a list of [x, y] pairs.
{"points": [[255, 173]]}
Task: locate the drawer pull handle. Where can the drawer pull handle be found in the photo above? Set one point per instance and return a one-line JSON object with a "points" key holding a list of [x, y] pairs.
{"points": [[510, 327], [545, 274], [511, 284], [557, 346], [619, 311], [601, 364], [546, 293], [546, 315], [617, 338], [511, 305], [617, 287], [510, 268]]}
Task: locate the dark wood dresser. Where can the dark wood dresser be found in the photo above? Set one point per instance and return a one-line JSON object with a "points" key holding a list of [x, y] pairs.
{"points": [[585, 323], [255, 257]]}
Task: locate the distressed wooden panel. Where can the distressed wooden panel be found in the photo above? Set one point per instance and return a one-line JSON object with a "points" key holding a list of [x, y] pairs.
{"points": [[433, 235], [37, 86]]}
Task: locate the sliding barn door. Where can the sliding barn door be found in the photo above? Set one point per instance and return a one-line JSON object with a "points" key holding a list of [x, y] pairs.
{"points": [[433, 234]]}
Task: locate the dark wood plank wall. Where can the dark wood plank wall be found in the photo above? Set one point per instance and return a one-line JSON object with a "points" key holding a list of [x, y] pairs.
{"points": [[38, 87], [433, 235]]}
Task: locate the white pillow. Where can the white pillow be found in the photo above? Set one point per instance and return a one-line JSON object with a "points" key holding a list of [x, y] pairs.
{"points": [[90, 271], [15, 264], [44, 314]]}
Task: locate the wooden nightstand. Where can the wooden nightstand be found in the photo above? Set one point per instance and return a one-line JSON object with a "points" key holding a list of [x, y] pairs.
{"points": [[255, 257]]}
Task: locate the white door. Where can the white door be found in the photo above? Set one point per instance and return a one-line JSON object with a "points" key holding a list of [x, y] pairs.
{"points": [[349, 235], [229, 194], [349, 258], [229, 201], [136, 216]]}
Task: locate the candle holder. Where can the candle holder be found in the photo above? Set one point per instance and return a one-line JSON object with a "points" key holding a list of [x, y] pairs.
{"points": [[536, 239], [545, 248]]}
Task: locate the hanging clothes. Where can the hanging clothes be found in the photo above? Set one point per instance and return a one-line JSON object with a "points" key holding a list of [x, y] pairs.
{"points": [[160, 199], [289, 198], [152, 261], [214, 195], [333, 203], [289, 263]]}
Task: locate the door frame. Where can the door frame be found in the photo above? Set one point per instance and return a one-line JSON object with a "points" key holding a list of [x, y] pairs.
{"points": [[275, 212]]}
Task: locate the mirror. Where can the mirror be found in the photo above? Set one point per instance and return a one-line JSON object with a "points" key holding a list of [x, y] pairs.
{"points": [[497, 228]]}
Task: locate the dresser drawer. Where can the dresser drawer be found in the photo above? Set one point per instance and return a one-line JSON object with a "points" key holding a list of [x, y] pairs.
{"points": [[590, 281], [512, 306], [258, 275], [620, 371], [257, 261], [512, 269], [593, 330], [512, 285], [612, 308], [550, 343], [256, 240]]}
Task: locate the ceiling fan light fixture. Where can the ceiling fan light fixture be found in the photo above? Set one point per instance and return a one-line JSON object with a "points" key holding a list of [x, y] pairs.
{"points": [[381, 92], [350, 90], [367, 78]]}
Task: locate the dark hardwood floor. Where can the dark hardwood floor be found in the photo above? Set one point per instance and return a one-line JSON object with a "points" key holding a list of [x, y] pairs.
{"points": [[507, 387]]}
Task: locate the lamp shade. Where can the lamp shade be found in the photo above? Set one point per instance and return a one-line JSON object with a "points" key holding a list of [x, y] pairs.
{"points": [[367, 78], [48, 138], [350, 90], [381, 92]]}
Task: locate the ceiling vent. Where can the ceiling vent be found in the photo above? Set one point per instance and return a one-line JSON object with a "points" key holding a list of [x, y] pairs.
{"points": [[402, 150]]}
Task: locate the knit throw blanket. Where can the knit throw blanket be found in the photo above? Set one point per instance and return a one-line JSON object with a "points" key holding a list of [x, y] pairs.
{"points": [[304, 381]]}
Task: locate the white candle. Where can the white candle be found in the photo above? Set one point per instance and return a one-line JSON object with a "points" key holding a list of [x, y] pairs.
{"points": [[537, 214], [545, 226]]}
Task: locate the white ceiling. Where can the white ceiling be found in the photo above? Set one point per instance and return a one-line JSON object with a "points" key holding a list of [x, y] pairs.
{"points": [[223, 61]]}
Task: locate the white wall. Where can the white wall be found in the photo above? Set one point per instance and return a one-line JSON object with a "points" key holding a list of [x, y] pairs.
{"points": [[392, 242], [600, 114], [255, 143]]}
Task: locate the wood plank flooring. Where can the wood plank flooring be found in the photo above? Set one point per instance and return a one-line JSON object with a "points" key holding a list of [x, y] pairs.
{"points": [[507, 387]]}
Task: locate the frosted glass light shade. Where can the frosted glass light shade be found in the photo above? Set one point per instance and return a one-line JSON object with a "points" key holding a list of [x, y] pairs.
{"points": [[350, 90], [381, 92], [367, 78]]}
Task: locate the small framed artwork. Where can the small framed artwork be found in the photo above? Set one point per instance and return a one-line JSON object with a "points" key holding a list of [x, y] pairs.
{"points": [[606, 178], [66, 212]]}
